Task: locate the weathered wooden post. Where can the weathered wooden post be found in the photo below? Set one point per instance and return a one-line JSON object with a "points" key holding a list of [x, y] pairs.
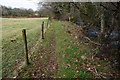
{"points": [[43, 30], [47, 22], [26, 49]]}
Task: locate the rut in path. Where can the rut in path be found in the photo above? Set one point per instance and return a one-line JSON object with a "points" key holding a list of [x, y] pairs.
{"points": [[48, 68]]}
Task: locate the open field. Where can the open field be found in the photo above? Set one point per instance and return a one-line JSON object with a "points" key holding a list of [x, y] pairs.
{"points": [[12, 40]]}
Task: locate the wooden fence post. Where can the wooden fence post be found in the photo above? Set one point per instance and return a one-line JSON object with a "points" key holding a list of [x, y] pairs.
{"points": [[47, 23], [43, 30], [26, 49]]}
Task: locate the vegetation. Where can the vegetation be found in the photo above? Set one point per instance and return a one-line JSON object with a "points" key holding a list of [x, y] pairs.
{"points": [[12, 42], [20, 12], [82, 40], [62, 55], [91, 16]]}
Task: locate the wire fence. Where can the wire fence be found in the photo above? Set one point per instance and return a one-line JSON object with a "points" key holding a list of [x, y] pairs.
{"points": [[13, 54]]}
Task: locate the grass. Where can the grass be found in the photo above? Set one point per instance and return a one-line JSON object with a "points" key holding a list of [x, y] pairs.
{"points": [[12, 42], [42, 49], [62, 55], [68, 54]]}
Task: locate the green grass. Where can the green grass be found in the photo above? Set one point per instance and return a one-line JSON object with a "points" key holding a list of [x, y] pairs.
{"points": [[12, 40], [37, 53], [69, 52], [68, 55]]}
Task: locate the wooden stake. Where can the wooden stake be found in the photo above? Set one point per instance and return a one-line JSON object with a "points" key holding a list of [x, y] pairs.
{"points": [[26, 49], [43, 30]]}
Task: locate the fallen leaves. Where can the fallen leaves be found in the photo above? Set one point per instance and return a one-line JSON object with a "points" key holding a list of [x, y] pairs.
{"points": [[91, 69], [68, 66], [76, 71], [43, 74], [15, 77], [83, 57], [76, 66], [75, 76], [41, 57], [76, 60], [64, 75]]}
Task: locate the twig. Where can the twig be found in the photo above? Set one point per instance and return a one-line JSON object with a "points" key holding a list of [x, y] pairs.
{"points": [[92, 41]]}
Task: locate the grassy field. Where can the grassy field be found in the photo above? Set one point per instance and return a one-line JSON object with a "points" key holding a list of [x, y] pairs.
{"points": [[12, 41]]}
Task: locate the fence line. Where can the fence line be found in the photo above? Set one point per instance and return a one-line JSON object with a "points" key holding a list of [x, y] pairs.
{"points": [[25, 39]]}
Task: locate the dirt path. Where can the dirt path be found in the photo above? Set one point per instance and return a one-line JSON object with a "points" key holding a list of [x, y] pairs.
{"points": [[43, 61], [50, 67]]}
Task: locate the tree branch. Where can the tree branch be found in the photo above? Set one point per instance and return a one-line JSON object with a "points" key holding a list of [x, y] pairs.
{"points": [[80, 10], [107, 8], [113, 5]]}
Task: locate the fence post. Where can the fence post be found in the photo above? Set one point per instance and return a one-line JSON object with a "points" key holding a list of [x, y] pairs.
{"points": [[26, 49], [43, 30], [47, 23]]}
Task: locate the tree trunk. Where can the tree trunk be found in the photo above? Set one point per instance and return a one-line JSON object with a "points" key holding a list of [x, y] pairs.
{"points": [[102, 22], [101, 36]]}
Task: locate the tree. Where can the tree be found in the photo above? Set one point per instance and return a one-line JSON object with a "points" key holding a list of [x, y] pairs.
{"points": [[104, 16], [7, 11]]}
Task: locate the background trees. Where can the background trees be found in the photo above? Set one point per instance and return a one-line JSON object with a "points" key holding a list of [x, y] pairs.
{"points": [[20, 12], [105, 17]]}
